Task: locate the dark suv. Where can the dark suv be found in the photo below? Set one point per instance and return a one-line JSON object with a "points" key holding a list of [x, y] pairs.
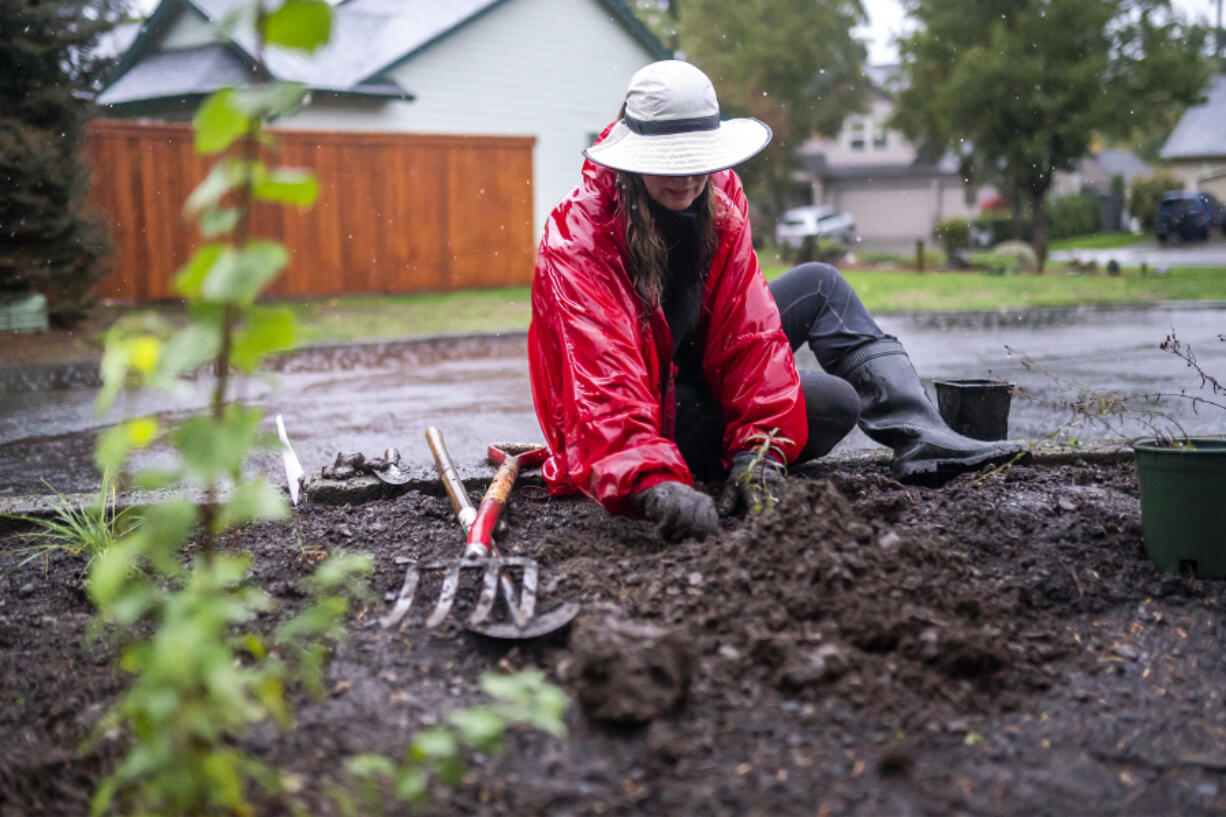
{"points": [[1189, 216]]}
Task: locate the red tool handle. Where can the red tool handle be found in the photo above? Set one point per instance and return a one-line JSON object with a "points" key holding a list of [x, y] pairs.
{"points": [[480, 535]]}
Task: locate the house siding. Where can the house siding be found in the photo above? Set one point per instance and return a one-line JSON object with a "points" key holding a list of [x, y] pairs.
{"points": [[553, 69], [1205, 176]]}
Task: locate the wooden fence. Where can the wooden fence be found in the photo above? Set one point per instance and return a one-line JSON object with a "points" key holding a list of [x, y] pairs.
{"points": [[396, 212]]}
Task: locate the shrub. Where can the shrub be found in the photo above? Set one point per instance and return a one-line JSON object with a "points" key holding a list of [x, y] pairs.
{"points": [[824, 250], [1073, 215], [992, 228], [954, 234], [1143, 201], [1008, 257]]}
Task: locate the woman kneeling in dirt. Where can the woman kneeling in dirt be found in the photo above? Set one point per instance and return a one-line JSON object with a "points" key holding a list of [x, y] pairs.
{"points": [[658, 351]]}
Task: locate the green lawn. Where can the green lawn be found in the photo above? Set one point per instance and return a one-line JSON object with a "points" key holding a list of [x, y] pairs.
{"points": [[351, 318], [392, 316], [1099, 241], [954, 291], [356, 318]]}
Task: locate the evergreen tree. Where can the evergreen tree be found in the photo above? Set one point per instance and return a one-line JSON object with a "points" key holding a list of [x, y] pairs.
{"points": [[49, 74]]}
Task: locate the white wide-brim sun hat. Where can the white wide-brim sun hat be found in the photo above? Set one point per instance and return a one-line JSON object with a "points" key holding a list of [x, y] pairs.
{"points": [[671, 127]]}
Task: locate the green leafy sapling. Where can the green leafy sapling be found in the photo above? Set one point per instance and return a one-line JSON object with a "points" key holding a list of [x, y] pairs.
{"points": [[206, 674], [442, 752]]}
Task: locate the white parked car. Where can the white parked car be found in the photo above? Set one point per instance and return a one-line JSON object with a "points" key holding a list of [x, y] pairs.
{"points": [[822, 222]]}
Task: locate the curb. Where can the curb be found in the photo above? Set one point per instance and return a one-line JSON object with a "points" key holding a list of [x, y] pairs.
{"points": [[363, 489]]}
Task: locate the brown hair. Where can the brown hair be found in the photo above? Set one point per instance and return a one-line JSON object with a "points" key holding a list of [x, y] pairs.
{"points": [[647, 254]]}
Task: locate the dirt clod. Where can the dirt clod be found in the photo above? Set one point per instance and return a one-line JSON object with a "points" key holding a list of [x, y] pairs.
{"points": [[628, 672]]}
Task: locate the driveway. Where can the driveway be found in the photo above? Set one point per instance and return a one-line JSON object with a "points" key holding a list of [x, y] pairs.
{"points": [[367, 397]]}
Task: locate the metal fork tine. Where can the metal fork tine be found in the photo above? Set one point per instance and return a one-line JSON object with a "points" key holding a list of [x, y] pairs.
{"points": [[446, 596], [489, 587], [403, 601], [527, 596]]}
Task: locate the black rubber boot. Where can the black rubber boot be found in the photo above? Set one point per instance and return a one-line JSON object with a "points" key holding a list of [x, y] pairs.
{"points": [[895, 411]]}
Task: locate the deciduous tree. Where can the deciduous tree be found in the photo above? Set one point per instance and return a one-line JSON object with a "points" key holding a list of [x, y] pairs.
{"points": [[791, 63], [1019, 88]]}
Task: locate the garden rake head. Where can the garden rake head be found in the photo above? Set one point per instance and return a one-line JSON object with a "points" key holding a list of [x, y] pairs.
{"points": [[480, 553]]}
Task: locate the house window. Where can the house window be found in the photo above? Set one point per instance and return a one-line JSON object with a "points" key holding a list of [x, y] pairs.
{"points": [[879, 136], [856, 130]]}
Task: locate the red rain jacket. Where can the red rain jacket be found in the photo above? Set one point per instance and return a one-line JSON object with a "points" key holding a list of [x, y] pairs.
{"points": [[601, 362]]}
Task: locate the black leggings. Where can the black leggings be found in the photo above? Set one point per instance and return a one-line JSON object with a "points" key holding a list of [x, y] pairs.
{"points": [[817, 307]]}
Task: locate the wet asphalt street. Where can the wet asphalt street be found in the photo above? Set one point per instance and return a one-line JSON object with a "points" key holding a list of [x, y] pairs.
{"points": [[366, 398]]}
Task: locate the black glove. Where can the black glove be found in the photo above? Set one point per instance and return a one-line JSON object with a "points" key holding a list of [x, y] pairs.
{"points": [[679, 510], [754, 483]]}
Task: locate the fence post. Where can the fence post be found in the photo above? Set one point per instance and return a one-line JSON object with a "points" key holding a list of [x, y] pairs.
{"points": [[919, 254]]}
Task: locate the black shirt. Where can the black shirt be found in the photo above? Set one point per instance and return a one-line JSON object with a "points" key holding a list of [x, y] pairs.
{"points": [[682, 296]]}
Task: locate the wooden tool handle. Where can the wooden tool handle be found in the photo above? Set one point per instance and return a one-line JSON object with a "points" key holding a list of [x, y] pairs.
{"points": [[450, 477], [481, 536]]}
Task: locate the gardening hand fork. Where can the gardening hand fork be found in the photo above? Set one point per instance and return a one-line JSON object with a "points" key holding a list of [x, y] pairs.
{"points": [[479, 550]]}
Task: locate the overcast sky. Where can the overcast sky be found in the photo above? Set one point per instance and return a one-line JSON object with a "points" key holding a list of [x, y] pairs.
{"points": [[887, 22]]}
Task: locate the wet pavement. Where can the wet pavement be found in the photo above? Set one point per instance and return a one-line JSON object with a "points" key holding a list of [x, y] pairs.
{"points": [[371, 396], [1157, 256]]}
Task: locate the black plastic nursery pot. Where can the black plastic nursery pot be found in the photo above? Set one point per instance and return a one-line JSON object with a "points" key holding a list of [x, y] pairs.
{"points": [[975, 408], [1183, 504]]}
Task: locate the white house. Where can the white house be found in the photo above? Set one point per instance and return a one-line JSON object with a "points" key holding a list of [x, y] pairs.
{"points": [[555, 70], [876, 175]]}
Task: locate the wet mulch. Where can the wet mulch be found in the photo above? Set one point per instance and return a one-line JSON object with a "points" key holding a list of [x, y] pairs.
{"points": [[995, 645]]}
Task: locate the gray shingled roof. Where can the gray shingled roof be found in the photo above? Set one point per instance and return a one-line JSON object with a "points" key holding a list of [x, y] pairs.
{"points": [[367, 36], [1123, 163], [1202, 130], [177, 73]]}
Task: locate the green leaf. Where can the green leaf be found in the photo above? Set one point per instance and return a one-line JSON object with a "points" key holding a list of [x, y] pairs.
{"points": [[269, 99], [189, 348], [339, 569], [303, 25], [211, 448], [480, 727], [219, 121], [267, 330], [224, 177], [288, 185], [320, 617], [108, 574], [366, 766], [113, 445], [217, 220], [411, 785], [156, 479], [252, 499], [253, 268], [189, 282], [436, 743], [163, 531]]}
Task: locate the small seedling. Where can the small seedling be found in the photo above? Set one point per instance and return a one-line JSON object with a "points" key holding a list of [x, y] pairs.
{"points": [[766, 464]]}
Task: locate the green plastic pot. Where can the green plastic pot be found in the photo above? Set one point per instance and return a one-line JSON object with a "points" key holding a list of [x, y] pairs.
{"points": [[1183, 504]]}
